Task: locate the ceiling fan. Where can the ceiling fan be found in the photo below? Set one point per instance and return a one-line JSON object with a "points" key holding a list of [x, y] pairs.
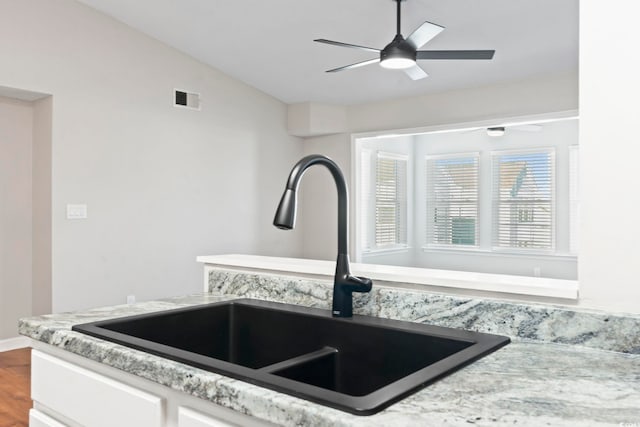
{"points": [[402, 53], [500, 130]]}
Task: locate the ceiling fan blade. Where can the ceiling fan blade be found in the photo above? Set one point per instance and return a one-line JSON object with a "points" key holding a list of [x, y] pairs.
{"points": [[415, 72], [356, 65], [455, 54], [423, 34], [354, 46]]}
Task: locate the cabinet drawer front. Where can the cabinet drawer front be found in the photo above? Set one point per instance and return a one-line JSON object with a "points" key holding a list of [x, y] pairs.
{"points": [[89, 398], [189, 418], [38, 419]]}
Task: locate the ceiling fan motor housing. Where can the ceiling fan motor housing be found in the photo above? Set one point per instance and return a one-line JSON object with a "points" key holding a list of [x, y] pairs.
{"points": [[398, 48]]}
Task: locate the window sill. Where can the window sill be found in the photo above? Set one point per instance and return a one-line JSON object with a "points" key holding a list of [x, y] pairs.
{"points": [[499, 283], [503, 253], [386, 251]]}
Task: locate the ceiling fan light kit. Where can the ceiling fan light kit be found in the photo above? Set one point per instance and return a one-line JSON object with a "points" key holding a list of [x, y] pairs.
{"points": [[398, 54], [402, 54], [495, 131]]}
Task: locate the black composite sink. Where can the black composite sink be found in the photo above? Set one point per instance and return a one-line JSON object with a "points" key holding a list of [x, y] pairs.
{"points": [[360, 365]]}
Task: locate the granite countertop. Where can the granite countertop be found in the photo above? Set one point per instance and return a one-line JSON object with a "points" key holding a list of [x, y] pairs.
{"points": [[531, 383]]}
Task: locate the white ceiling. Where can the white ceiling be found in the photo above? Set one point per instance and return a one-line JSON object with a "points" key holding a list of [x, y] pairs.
{"points": [[268, 44]]}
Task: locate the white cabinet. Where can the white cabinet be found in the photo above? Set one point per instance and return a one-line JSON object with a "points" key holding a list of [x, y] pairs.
{"points": [[191, 418], [38, 419], [91, 399], [71, 391]]}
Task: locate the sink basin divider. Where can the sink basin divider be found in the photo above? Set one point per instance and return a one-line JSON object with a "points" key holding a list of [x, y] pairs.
{"points": [[299, 360]]}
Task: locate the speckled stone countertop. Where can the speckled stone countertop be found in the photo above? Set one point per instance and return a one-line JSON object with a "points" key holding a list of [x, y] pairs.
{"points": [[536, 380]]}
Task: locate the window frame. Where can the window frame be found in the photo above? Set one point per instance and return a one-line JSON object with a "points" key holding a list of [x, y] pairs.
{"points": [[430, 245], [552, 251], [574, 199], [369, 232], [526, 284]]}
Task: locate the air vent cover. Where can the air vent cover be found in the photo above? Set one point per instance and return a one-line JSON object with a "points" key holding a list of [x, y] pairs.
{"points": [[185, 99]]}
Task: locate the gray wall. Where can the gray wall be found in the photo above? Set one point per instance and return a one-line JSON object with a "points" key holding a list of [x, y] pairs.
{"points": [[41, 195], [162, 184], [16, 144]]}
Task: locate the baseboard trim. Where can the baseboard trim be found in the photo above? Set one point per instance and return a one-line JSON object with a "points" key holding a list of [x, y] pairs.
{"points": [[14, 343]]}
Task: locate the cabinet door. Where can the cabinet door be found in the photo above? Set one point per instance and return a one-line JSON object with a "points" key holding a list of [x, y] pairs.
{"points": [[190, 418], [38, 419], [91, 399]]}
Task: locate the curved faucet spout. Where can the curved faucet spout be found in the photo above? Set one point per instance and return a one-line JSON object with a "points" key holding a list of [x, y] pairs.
{"points": [[286, 214], [344, 283]]}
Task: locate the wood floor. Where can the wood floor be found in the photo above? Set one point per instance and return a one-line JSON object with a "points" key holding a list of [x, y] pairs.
{"points": [[15, 388]]}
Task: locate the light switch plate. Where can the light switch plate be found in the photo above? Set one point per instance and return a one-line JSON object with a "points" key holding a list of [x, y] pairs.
{"points": [[76, 211]]}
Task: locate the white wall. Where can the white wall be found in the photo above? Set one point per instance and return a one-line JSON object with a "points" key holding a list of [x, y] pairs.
{"points": [[514, 99], [511, 99], [608, 267], [41, 190], [153, 176], [16, 129], [162, 184]]}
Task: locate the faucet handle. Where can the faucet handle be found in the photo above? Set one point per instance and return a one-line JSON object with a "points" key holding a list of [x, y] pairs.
{"points": [[359, 284]]}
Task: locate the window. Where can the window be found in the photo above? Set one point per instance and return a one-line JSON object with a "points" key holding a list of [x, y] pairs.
{"points": [[463, 200], [523, 197], [452, 200], [390, 200]]}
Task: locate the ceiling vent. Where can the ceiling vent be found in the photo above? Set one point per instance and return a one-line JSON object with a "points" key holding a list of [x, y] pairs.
{"points": [[184, 99]]}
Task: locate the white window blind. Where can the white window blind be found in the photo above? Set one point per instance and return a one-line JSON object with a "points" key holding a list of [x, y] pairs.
{"points": [[523, 199], [390, 200], [452, 200], [574, 205]]}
